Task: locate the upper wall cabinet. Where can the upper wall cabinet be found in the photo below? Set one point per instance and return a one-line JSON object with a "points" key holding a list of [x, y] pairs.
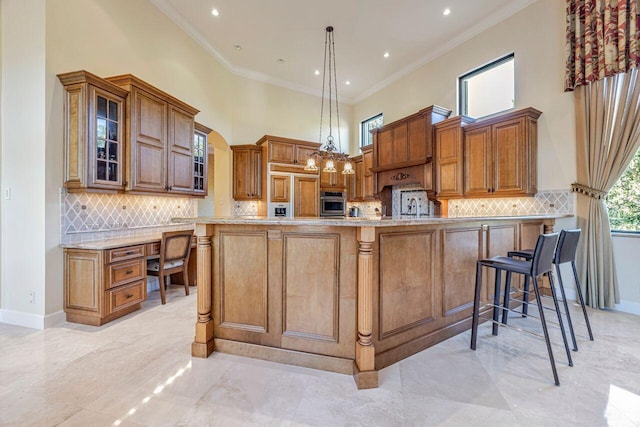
{"points": [[501, 155], [248, 179], [408, 141], [160, 139], [200, 159], [286, 150], [449, 159], [94, 112]]}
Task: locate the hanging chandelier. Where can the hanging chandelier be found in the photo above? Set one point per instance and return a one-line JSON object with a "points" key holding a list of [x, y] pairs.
{"points": [[329, 153]]}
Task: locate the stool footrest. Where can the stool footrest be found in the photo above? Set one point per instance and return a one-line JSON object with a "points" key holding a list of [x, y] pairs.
{"points": [[513, 327]]}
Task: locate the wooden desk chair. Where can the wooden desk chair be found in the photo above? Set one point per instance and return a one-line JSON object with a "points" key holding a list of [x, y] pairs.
{"points": [[175, 248]]}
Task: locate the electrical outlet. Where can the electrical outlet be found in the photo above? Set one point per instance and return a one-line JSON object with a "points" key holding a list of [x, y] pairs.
{"points": [[32, 297]]}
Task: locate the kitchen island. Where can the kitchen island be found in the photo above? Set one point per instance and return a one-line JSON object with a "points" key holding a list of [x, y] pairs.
{"points": [[344, 295]]}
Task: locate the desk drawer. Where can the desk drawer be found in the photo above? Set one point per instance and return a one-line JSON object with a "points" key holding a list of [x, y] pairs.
{"points": [[122, 254], [153, 249], [125, 296], [126, 271]]}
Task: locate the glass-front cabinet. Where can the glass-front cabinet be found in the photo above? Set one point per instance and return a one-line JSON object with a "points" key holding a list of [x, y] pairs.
{"points": [[93, 133], [200, 155], [108, 139]]}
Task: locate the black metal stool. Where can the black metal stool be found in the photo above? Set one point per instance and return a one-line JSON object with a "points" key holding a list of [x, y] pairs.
{"points": [[540, 263], [565, 252]]}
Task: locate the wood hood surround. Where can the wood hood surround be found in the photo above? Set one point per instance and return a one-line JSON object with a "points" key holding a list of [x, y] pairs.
{"points": [[403, 152]]}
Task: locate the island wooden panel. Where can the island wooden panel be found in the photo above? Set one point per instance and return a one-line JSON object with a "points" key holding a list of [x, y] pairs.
{"points": [[406, 286], [311, 286], [243, 290]]}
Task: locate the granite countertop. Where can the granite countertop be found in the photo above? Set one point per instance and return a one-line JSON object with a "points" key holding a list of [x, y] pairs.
{"points": [[357, 222]]}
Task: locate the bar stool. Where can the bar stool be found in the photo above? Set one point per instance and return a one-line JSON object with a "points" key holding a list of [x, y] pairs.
{"points": [[539, 264], [565, 252]]}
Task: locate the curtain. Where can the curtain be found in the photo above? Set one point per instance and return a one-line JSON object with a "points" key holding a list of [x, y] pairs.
{"points": [[608, 136], [602, 40]]}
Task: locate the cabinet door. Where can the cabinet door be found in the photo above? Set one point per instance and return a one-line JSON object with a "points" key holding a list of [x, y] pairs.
{"points": [[280, 188], [359, 180], [385, 147], [333, 180], [418, 149], [477, 156], [200, 163], [509, 157], [106, 142], [242, 174], [306, 197], [303, 153], [449, 162], [180, 151], [369, 188], [281, 152], [147, 152], [256, 174]]}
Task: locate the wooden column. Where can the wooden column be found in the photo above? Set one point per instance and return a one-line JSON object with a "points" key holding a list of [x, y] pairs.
{"points": [[548, 226], [365, 374], [202, 345]]}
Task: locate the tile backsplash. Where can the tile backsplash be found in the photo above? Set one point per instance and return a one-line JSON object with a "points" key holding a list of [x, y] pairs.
{"points": [[544, 202], [91, 216]]}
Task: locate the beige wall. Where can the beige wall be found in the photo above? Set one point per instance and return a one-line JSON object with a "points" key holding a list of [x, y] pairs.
{"points": [[536, 36]]}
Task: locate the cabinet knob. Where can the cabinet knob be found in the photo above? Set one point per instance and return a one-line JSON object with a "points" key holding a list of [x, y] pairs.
{"points": [[127, 296], [129, 271]]}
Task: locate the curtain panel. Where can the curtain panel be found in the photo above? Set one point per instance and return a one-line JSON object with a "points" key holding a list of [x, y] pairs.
{"points": [[602, 40]]}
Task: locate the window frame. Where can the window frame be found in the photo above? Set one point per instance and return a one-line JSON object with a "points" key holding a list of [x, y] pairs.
{"points": [[364, 132], [462, 92]]}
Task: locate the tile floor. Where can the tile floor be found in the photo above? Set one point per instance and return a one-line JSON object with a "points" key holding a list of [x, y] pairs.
{"points": [[138, 371]]}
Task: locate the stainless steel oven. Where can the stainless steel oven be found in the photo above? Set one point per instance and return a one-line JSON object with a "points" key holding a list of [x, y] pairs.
{"points": [[333, 203]]}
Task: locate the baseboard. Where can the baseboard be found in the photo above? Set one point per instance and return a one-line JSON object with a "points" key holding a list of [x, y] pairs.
{"points": [[631, 307], [20, 318], [54, 319], [33, 321]]}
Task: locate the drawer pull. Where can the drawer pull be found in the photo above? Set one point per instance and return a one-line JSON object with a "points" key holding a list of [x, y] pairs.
{"points": [[129, 271], [128, 296]]}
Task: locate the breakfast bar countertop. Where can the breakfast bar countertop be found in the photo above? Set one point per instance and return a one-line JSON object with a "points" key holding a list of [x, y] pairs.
{"points": [[357, 222]]}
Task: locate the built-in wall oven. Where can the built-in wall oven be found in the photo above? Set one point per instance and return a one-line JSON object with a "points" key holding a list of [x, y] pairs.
{"points": [[333, 203]]}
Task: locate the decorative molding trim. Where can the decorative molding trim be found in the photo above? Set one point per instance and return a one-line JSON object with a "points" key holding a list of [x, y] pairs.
{"points": [[54, 319], [20, 318], [400, 176]]}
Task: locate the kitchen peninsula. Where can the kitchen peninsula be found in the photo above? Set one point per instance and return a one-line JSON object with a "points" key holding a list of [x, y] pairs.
{"points": [[344, 295]]}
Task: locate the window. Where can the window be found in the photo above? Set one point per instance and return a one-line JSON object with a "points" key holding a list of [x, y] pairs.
{"points": [[366, 125], [623, 200], [488, 89]]}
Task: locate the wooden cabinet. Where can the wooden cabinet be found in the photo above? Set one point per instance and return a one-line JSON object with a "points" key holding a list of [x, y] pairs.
{"points": [[94, 123], [287, 150], [355, 182], [501, 155], [200, 159], [449, 158], [369, 177], [333, 181], [102, 285], [279, 188], [247, 172], [408, 141], [306, 196], [160, 139]]}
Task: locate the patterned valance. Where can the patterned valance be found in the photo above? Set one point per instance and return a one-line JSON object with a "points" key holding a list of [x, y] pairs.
{"points": [[588, 191], [603, 39]]}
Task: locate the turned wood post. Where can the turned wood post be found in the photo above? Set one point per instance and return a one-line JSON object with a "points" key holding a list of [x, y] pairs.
{"points": [[366, 375], [202, 345]]}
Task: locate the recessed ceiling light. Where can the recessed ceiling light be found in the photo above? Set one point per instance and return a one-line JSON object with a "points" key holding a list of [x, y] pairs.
{"points": [[446, 12], [386, 54], [280, 61], [215, 12], [347, 82], [317, 72], [237, 47]]}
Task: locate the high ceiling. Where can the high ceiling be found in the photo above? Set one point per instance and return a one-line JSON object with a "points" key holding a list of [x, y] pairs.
{"points": [[250, 36]]}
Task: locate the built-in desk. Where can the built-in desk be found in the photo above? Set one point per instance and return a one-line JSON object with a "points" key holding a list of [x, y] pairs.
{"points": [[107, 279]]}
